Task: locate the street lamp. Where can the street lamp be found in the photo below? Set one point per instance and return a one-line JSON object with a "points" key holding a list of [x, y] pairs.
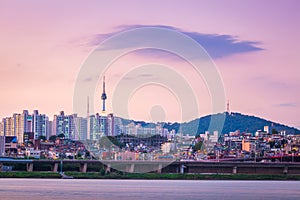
{"points": [[61, 164], [255, 151], [293, 154]]}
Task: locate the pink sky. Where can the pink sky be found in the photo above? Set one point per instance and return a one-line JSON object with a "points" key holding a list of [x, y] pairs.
{"points": [[43, 46]]}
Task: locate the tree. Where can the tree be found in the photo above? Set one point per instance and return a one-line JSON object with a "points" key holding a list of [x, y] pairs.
{"points": [[42, 137], [198, 146], [78, 155], [87, 154], [105, 142], [52, 138], [274, 131], [62, 136], [272, 143], [109, 141]]}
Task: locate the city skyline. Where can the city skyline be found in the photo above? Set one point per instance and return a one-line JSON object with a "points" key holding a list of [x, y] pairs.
{"points": [[45, 44], [71, 126]]}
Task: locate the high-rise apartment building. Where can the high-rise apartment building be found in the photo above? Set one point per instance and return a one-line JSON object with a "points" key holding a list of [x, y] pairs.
{"points": [[113, 125], [39, 124], [2, 128], [94, 127], [9, 126], [28, 121], [19, 124], [80, 128], [63, 124], [2, 145], [49, 129], [110, 129], [18, 121]]}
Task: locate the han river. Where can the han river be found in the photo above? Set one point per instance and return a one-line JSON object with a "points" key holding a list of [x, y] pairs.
{"points": [[84, 189]]}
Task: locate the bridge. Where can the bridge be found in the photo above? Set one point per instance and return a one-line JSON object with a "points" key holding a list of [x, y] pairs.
{"points": [[164, 166]]}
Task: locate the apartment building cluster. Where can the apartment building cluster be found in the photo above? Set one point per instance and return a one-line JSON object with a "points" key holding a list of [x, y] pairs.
{"points": [[72, 126]]}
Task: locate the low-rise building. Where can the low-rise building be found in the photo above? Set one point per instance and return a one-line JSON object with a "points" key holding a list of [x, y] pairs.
{"points": [[31, 152]]}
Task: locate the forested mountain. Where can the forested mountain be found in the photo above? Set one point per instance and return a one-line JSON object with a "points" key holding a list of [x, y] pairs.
{"points": [[232, 122]]}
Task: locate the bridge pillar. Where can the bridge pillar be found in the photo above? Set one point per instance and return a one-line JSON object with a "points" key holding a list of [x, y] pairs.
{"points": [[54, 167], [83, 167], [29, 167], [108, 168], [234, 170], [159, 168], [182, 168], [131, 169], [285, 170]]}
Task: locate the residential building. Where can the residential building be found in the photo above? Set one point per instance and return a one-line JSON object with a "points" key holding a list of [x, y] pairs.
{"points": [[2, 145], [95, 126], [63, 124], [80, 130], [40, 124], [8, 126], [2, 128]]}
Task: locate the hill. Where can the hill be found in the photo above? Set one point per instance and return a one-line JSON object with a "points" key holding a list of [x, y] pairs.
{"points": [[232, 122]]}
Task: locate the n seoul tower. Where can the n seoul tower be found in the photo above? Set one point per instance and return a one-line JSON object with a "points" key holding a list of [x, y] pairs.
{"points": [[103, 96]]}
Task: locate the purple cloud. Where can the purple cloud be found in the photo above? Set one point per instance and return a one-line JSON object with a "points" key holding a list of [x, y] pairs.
{"points": [[216, 45], [292, 105]]}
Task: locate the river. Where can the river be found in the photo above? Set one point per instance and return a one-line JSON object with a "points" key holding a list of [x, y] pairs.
{"points": [[84, 189]]}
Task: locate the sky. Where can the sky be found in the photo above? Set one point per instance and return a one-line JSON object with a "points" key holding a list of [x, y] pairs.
{"points": [[254, 46]]}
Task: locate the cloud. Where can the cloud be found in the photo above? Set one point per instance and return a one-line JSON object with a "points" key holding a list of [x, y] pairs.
{"points": [[216, 45], [87, 79], [146, 75], [143, 76], [291, 105], [271, 82]]}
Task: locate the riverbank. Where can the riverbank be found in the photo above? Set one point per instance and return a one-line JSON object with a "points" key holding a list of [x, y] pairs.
{"points": [[19, 174], [149, 176]]}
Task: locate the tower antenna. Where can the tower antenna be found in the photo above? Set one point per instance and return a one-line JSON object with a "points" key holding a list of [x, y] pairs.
{"points": [[88, 118], [228, 108], [88, 107]]}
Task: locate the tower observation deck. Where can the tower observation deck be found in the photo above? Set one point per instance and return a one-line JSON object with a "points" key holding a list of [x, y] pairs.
{"points": [[103, 96]]}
